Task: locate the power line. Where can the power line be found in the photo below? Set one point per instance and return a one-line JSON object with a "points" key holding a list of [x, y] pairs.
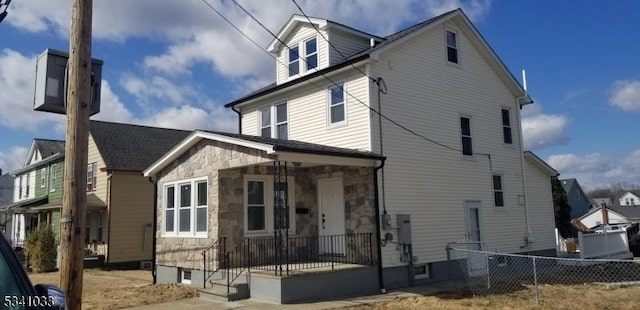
{"points": [[322, 74], [329, 42]]}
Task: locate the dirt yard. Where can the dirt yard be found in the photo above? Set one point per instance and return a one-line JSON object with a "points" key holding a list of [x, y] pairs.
{"points": [[584, 297], [120, 289]]}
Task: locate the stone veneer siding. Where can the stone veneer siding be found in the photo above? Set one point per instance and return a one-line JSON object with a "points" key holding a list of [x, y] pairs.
{"points": [[225, 166], [204, 159]]}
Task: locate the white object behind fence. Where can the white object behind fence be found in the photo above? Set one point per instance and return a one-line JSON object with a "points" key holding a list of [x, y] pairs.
{"points": [[609, 244]]}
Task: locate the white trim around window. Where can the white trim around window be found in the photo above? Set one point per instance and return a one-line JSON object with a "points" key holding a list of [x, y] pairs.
{"points": [[259, 201], [273, 120], [302, 57], [337, 105], [452, 46], [185, 208]]}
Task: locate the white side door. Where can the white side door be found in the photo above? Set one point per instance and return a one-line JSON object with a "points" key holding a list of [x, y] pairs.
{"points": [[476, 262]]}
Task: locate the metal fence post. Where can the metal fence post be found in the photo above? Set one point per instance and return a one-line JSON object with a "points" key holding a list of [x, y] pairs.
{"points": [[535, 281], [332, 252], [486, 260], [204, 268]]}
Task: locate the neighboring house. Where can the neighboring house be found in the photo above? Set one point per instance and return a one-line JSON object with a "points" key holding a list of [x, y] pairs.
{"points": [[116, 157], [119, 198], [630, 198], [576, 198], [597, 202], [6, 198], [37, 191], [595, 218], [277, 203]]}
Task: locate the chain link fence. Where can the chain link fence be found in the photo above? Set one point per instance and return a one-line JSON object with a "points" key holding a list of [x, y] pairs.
{"points": [[487, 273]]}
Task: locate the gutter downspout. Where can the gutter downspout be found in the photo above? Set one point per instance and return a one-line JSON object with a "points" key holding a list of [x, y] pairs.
{"points": [[239, 119], [378, 231], [153, 226], [529, 239], [109, 212]]}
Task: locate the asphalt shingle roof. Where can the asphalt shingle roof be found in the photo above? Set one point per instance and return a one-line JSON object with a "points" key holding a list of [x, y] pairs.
{"points": [[630, 212], [49, 147], [133, 147], [302, 147]]}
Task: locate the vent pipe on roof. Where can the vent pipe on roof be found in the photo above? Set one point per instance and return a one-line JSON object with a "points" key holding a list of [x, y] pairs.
{"points": [[524, 80], [372, 42]]}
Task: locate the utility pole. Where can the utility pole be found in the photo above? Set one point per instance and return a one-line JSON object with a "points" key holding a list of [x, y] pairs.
{"points": [[74, 201]]}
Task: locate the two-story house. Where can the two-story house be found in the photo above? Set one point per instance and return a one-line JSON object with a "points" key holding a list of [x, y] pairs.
{"points": [[37, 185], [630, 198], [119, 198], [371, 153], [6, 198], [576, 198]]}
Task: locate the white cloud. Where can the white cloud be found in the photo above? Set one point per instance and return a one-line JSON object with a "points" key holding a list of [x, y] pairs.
{"points": [[13, 159], [17, 77], [542, 130], [625, 95], [181, 116], [597, 170]]}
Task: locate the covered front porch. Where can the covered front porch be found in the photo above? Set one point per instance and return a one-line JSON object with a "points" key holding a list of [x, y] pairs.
{"points": [[279, 214]]}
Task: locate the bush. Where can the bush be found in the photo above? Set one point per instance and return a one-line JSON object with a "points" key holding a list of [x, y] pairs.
{"points": [[41, 249]]}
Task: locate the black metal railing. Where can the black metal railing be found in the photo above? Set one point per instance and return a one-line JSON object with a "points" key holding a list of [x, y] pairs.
{"points": [[284, 254], [212, 257]]}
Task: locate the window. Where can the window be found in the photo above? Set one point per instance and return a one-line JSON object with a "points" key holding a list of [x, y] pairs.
{"points": [[91, 177], [20, 196], [311, 54], [52, 179], [498, 192], [305, 61], [506, 127], [185, 276], [186, 208], [87, 232], [43, 177], [452, 47], [294, 61], [276, 127], [28, 185], [336, 104], [422, 271], [99, 227], [256, 208], [631, 200], [465, 130], [266, 209]]}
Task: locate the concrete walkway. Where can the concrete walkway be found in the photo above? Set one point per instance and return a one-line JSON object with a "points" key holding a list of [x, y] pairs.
{"points": [[250, 304]]}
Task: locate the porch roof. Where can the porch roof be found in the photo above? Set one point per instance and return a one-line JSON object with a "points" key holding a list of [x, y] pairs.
{"points": [[269, 145], [28, 202]]}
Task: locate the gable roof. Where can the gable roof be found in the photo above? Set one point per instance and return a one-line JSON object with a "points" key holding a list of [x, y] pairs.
{"points": [[541, 163], [41, 163], [635, 192], [390, 41], [46, 148], [630, 212], [320, 23], [130, 147], [268, 145]]}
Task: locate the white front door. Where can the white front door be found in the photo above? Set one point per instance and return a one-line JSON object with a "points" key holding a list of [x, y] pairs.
{"points": [[476, 262], [331, 226]]}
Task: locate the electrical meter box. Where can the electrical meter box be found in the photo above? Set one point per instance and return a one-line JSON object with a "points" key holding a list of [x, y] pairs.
{"points": [[404, 228], [51, 81]]}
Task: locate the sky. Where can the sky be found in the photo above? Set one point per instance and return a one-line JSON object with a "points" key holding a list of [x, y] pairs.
{"points": [[175, 64]]}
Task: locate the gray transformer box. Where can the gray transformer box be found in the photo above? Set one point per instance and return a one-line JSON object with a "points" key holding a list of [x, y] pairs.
{"points": [[51, 80], [404, 228]]}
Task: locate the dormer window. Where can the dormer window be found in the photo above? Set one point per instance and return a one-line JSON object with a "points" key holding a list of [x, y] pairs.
{"points": [[307, 60], [311, 53], [452, 47], [294, 61]]}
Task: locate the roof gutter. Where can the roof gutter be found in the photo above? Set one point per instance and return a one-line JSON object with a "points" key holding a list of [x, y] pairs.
{"points": [[299, 80]]}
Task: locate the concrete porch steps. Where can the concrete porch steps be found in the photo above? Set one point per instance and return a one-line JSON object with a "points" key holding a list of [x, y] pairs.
{"points": [[218, 291]]}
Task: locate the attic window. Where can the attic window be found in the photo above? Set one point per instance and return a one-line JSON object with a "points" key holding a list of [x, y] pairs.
{"points": [[452, 47], [294, 61], [311, 53]]}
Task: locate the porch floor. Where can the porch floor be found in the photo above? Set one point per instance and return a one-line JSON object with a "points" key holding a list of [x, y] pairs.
{"points": [[298, 269]]}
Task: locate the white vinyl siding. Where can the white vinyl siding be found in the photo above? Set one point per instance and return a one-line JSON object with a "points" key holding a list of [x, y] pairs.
{"points": [[540, 206], [433, 186], [303, 33], [308, 117]]}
